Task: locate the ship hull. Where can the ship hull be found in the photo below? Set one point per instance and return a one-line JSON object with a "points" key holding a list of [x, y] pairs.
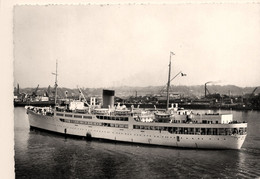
{"points": [[162, 138], [34, 103]]}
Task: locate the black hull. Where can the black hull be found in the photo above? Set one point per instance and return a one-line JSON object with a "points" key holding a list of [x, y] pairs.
{"points": [[34, 103]]}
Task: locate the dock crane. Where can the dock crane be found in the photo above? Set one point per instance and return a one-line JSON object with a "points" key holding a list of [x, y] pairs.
{"points": [[34, 93], [82, 95], [253, 92], [48, 91]]}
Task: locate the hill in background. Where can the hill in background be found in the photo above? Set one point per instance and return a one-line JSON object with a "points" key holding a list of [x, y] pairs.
{"points": [[127, 91]]}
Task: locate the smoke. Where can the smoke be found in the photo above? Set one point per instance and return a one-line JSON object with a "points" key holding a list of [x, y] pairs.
{"points": [[213, 82]]}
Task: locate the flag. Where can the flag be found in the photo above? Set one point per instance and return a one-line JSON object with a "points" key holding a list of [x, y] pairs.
{"points": [[172, 53], [54, 73], [182, 74]]}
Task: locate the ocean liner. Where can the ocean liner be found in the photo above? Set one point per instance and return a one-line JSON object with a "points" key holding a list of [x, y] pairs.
{"points": [[174, 127]]}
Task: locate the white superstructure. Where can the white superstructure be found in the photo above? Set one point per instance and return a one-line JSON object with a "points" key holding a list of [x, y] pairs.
{"points": [[211, 131]]}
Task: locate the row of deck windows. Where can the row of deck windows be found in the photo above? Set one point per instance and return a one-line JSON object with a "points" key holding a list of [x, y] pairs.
{"points": [[94, 123], [195, 131], [59, 114], [75, 116], [117, 118]]}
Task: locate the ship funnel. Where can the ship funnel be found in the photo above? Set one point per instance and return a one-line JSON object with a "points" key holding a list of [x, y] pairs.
{"points": [[108, 98]]}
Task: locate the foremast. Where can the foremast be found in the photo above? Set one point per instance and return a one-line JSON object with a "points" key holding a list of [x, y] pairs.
{"points": [[56, 82]]}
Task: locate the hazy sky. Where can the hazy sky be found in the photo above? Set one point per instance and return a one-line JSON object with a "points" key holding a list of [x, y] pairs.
{"points": [[113, 45]]}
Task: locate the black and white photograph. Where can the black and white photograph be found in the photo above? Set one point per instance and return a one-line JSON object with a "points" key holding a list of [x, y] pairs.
{"points": [[136, 90]]}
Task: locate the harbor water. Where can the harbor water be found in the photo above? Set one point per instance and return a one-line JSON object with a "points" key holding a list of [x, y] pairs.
{"points": [[40, 154]]}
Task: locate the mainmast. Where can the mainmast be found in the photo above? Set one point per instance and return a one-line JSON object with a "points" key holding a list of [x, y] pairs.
{"points": [[169, 81]]}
